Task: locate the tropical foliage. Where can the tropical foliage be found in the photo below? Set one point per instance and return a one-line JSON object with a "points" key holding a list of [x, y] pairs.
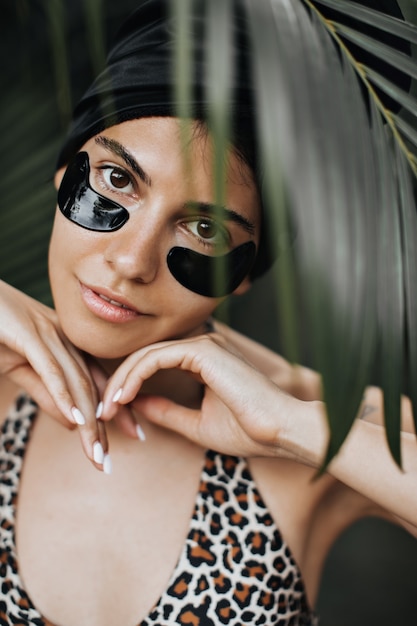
{"points": [[338, 135]]}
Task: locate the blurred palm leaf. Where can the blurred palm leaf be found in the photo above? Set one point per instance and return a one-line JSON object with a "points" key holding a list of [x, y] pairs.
{"points": [[348, 161], [338, 138], [334, 141]]}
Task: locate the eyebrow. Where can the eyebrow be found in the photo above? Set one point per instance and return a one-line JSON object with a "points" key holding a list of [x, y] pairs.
{"points": [[225, 213], [116, 148]]}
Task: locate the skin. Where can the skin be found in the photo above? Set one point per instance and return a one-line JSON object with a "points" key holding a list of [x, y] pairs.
{"points": [[130, 264], [202, 390]]}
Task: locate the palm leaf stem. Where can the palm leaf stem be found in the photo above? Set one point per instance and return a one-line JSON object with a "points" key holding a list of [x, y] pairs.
{"points": [[387, 23], [406, 100], [334, 28], [409, 132]]}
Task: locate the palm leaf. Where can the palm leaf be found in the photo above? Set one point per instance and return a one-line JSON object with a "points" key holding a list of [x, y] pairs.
{"points": [[344, 162], [395, 155]]}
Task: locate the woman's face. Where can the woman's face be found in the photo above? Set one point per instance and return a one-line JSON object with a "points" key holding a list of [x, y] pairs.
{"points": [[113, 291]]}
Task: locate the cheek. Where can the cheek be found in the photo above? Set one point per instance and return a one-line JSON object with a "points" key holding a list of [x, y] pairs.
{"points": [[67, 246], [189, 313], [57, 247]]}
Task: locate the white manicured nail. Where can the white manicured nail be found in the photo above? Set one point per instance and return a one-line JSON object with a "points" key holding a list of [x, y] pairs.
{"points": [[140, 433], [78, 416], [98, 453], [107, 466], [117, 395], [99, 410]]}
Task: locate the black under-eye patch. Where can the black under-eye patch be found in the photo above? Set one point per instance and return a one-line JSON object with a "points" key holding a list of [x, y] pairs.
{"points": [[211, 276], [82, 205]]}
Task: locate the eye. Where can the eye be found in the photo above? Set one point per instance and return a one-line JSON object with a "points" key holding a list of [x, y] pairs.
{"points": [[209, 231], [116, 178]]}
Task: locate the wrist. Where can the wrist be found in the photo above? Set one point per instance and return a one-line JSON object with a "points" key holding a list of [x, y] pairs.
{"points": [[306, 434]]}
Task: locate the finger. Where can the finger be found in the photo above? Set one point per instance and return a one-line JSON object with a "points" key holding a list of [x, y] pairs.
{"points": [[114, 382], [129, 423], [202, 356], [169, 415], [73, 390], [51, 370], [77, 374], [125, 418], [25, 377], [128, 379], [100, 378], [90, 433]]}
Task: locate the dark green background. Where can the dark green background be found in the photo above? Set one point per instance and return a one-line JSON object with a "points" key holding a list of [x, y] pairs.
{"points": [[45, 64]]}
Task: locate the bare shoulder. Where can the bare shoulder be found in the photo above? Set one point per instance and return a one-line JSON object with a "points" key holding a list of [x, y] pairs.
{"points": [[309, 511], [300, 497], [301, 382], [8, 392]]}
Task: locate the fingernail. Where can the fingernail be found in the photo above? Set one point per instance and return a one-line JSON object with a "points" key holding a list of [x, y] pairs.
{"points": [[78, 416], [107, 466], [117, 395], [140, 433], [99, 410], [98, 453]]}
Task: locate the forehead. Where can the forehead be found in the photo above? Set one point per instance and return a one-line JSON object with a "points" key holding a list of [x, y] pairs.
{"points": [[183, 153]]}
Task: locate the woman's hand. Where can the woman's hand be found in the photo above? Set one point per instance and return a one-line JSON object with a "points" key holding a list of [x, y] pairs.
{"points": [[36, 355], [242, 412], [296, 380]]}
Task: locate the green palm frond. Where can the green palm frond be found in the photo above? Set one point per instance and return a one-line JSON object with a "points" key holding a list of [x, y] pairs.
{"points": [[395, 149], [339, 160], [353, 200]]}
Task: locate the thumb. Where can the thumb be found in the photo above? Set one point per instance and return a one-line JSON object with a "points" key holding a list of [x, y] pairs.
{"points": [[169, 414]]}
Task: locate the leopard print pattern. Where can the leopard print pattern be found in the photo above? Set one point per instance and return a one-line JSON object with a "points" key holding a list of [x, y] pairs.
{"points": [[234, 567], [15, 605]]}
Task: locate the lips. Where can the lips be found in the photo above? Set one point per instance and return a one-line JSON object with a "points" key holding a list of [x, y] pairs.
{"points": [[123, 306], [107, 306]]}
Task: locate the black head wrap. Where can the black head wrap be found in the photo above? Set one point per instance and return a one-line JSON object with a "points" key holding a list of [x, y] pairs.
{"points": [[139, 79], [139, 82]]}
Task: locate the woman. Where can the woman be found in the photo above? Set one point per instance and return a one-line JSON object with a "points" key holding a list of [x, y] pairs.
{"points": [[207, 513]]}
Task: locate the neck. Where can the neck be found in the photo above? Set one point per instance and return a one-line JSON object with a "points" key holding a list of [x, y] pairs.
{"points": [[174, 384]]}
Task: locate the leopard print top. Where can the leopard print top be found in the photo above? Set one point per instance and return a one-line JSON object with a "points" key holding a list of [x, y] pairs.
{"points": [[234, 567]]}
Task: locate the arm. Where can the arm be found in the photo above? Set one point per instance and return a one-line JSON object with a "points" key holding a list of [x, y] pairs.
{"points": [[366, 449], [364, 462], [245, 413]]}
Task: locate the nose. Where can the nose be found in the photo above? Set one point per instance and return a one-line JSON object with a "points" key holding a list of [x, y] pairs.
{"points": [[135, 251]]}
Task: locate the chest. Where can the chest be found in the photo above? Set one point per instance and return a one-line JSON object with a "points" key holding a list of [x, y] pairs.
{"points": [[158, 528], [112, 542]]}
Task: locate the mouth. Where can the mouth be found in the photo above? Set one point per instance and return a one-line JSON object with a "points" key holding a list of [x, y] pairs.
{"points": [[114, 302], [108, 306]]}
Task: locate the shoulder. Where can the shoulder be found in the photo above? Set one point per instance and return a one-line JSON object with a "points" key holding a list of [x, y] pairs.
{"points": [[8, 393], [310, 511]]}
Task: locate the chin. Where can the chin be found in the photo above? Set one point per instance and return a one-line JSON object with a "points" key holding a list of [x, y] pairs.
{"points": [[100, 351], [103, 345]]}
